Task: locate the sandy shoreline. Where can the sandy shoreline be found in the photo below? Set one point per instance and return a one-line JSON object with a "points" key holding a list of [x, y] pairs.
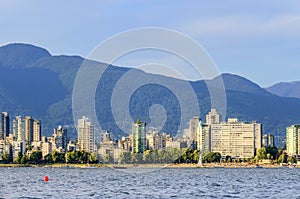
{"points": [[124, 166]]}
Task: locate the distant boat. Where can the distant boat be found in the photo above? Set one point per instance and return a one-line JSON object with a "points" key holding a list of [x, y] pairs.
{"points": [[258, 166]]}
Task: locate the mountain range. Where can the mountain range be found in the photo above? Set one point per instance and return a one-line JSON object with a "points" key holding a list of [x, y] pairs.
{"points": [[286, 89], [34, 82]]}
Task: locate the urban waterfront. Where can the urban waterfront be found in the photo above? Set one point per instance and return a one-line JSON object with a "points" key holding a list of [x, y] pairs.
{"points": [[164, 183]]}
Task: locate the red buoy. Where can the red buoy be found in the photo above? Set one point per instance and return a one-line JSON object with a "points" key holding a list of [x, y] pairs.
{"points": [[46, 178]]}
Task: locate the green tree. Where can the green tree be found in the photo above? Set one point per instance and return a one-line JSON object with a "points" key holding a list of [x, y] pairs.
{"points": [[23, 160], [107, 158], [48, 158], [261, 153], [6, 158], [283, 158], [292, 159], [58, 157], [196, 155], [272, 150], [228, 158], [17, 160], [28, 147], [124, 157], [134, 158], [83, 157], [93, 158], [35, 157], [54, 156], [210, 157], [162, 156], [147, 156]]}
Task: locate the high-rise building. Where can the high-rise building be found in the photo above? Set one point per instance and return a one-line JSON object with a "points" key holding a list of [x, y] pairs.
{"points": [[268, 140], [2, 133], [155, 140], [203, 137], [236, 139], [4, 125], [232, 138], [46, 146], [194, 123], [213, 117], [28, 129], [37, 130], [60, 138], [19, 129], [139, 136], [86, 141], [292, 140], [125, 143]]}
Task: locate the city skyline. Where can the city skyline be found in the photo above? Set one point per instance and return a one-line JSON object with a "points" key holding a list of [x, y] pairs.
{"points": [[215, 135]]}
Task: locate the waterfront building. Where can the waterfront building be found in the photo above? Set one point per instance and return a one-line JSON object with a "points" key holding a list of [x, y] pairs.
{"points": [[60, 139], [17, 147], [18, 128], [155, 140], [10, 138], [125, 143], [139, 136], [193, 126], [181, 143], [268, 140], [86, 141], [37, 133], [28, 129], [203, 137], [71, 146], [231, 138], [172, 144], [5, 148], [4, 125], [36, 146], [292, 140], [46, 146], [107, 145], [236, 139]]}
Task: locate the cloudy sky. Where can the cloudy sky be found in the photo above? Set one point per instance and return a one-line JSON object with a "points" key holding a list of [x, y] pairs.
{"points": [[259, 40]]}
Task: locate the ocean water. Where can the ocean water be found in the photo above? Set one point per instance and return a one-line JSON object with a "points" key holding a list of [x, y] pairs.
{"points": [[143, 183]]}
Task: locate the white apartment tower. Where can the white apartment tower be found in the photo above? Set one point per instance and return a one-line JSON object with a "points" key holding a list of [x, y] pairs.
{"points": [[292, 140], [86, 141], [232, 138]]}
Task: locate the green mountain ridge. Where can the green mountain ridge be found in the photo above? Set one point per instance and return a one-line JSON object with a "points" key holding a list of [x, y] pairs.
{"points": [[41, 85]]}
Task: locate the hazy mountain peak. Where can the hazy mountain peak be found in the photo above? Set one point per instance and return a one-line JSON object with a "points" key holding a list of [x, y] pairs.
{"points": [[286, 89], [19, 55], [235, 82]]}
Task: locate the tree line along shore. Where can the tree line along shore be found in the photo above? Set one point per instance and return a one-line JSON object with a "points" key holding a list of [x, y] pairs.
{"points": [[266, 156]]}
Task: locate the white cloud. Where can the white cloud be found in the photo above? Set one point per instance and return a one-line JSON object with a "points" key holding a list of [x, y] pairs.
{"points": [[244, 25]]}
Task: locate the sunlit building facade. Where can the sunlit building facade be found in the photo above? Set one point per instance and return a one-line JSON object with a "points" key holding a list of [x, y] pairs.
{"points": [[86, 141], [292, 140]]}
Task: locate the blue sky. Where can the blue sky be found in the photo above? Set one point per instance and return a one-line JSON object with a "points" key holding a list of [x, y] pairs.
{"points": [[259, 40]]}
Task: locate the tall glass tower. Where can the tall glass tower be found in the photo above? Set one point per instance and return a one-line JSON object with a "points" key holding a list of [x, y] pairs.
{"points": [[139, 136]]}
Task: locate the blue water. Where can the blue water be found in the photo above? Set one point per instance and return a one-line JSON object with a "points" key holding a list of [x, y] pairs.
{"points": [[163, 183]]}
